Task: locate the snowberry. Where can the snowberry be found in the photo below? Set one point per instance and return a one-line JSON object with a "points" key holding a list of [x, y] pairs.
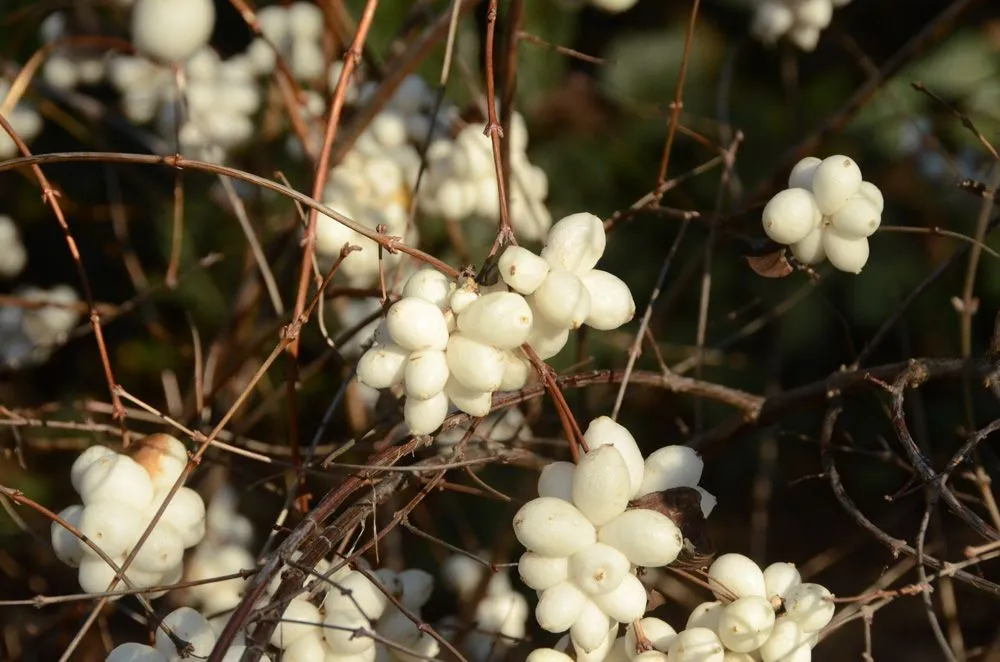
{"points": [[873, 194], [383, 366], [425, 416], [562, 299], [471, 401], [805, 37], [430, 285], [671, 466], [772, 19], [590, 629], [547, 339], [647, 537], [161, 552], [344, 632], [596, 569], [504, 614], [737, 575], [836, 179], [541, 572], [556, 480], [654, 630], [696, 645], [13, 255], [858, 218], [163, 457], [114, 477], [553, 527], [575, 243], [476, 365], [601, 485], [417, 586], [464, 296], [810, 250], [185, 512], [309, 648], [746, 623], [417, 324], [189, 626], [791, 215], [611, 303], [625, 603], [355, 592], [803, 172], [172, 30], [845, 253], [499, 319], [559, 606], [516, 371], [83, 462], [786, 643], [814, 13], [547, 655], [425, 374], [603, 431], [809, 605], [706, 615], [522, 270], [133, 652], [67, 546], [779, 577]]}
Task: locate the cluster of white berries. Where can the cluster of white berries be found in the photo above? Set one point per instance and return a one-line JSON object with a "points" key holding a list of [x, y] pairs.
{"points": [[801, 21], [458, 343], [296, 33], [827, 213], [189, 627], [224, 551], [500, 428], [13, 255], [584, 542], [121, 494], [29, 335], [500, 616], [372, 186], [330, 625], [461, 181], [23, 118], [68, 66]]}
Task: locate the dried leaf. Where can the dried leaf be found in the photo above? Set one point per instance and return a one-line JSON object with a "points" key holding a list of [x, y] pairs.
{"points": [[772, 265]]}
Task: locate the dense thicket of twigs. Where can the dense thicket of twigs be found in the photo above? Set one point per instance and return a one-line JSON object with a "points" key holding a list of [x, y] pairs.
{"points": [[847, 422]]}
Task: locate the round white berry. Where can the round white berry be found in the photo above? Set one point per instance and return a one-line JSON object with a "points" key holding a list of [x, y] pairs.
{"points": [[417, 586], [696, 645], [601, 485], [189, 626], [779, 577], [547, 655], [516, 370], [814, 13], [805, 37], [575, 243], [657, 632], [355, 593], [67, 546], [383, 366], [858, 218], [163, 457], [790, 215], [114, 526], [522, 270], [425, 374], [737, 575], [186, 512], [611, 303], [810, 250], [605, 431], [463, 296], [553, 527], [786, 643], [590, 628], [500, 319], [540, 572], [803, 172], [113, 477], [598, 568], [343, 632], [133, 652], [873, 194], [836, 179], [470, 401], [161, 551], [556, 480], [547, 339], [648, 538], [845, 253], [562, 299], [625, 603], [746, 623], [671, 466], [705, 615], [559, 606], [416, 324], [772, 19], [430, 285], [809, 605], [425, 416], [299, 619], [475, 365], [172, 30]]}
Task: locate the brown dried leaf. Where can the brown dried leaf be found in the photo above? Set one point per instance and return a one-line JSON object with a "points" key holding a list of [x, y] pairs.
{"points": [[772, 265]]}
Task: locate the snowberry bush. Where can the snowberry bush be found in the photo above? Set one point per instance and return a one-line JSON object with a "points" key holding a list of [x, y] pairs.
{"points": [[29, 335], [800, 21]]}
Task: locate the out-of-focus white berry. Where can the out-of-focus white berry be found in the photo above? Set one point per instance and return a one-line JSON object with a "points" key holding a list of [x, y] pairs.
{"points": [[810, 250], [647, 537], [133, 652], [356, 593], [790, 215], [575, 243], [500, 319], [705, 615], [590, 629], [471, 401], [559, 606], [746, 623], [671, 466], [614, 6], [430, 285], [814, 13], [874, 195], [425, 374], [803, 172], [835, 181], [556, 480], [786, 643], [309, 648], [172, 30], [341, 632], [425, 416], [658, 632], [845, 253], [771, 20], [779, 577], [299, 619], [601, 485], [736, 574], [625, 603], [605, 431], [541, 572], [696, 645], [562, 299], [382, 366], [598, 569], [417, 324], [858, 218], [553, 527], [476, 365], [13, 255], [67, 546], [189, 626], [809, 605], [804, 37], [305, 21], [522, 270]]}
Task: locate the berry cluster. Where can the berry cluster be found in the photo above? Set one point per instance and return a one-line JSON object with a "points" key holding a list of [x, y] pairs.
{"points": [[68, 66], [801, 21], [121, 494], [296, 33], [461, 181], [584, 541], [459, 343], [23, 118], [29, 335], [188, 626], [827, 213], [328, 624]]}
